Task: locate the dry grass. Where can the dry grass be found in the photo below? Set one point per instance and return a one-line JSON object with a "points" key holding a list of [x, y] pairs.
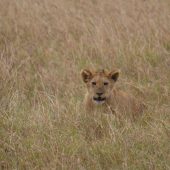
{"points": [[43, 46]]}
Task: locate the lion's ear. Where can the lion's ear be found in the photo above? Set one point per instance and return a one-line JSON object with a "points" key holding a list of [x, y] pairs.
{"points": [[86, 75], [114, 75]]}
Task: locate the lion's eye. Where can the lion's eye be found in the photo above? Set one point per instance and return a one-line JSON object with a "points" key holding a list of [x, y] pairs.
{"points": [[106, 83], [93, 83]]}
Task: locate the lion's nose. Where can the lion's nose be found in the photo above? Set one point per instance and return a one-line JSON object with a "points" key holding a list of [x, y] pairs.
{"points": [[99, 94]]}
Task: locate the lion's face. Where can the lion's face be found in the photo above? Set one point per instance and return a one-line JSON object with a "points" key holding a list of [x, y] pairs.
{"points": [[100, 84]]}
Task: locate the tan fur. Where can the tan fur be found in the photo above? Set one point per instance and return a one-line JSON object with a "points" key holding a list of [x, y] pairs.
{"points": [[116, 101]]}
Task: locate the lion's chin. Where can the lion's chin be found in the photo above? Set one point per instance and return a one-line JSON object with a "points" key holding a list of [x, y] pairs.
{"points": [[99, 100]]}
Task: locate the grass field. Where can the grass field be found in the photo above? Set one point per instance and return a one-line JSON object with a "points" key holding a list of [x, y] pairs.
{"points": [[43, 46]]}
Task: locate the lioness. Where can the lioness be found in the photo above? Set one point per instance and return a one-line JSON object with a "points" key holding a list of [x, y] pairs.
{"points": [[102, 94]]}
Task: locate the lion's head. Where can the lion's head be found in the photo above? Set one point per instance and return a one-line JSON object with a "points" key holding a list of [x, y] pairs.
{"points": [[100, 84]]}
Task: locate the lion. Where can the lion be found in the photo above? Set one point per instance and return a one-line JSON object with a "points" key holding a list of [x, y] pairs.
{"points": [[103, 95]]}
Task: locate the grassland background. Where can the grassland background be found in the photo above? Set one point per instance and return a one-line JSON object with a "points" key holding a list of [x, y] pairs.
{"points": [[43, 46]]}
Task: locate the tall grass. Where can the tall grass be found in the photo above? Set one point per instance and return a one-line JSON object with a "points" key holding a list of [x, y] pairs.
{"points": [[43, 46]]}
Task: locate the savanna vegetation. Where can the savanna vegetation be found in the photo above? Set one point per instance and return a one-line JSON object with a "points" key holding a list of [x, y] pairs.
{"points": [[44, 44]]}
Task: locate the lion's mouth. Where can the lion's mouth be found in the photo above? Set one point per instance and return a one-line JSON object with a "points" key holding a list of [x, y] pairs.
{"points": [[99, 99]]}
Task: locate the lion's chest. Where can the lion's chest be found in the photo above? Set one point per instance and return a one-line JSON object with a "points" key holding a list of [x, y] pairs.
{"points": [[104, 109]]}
